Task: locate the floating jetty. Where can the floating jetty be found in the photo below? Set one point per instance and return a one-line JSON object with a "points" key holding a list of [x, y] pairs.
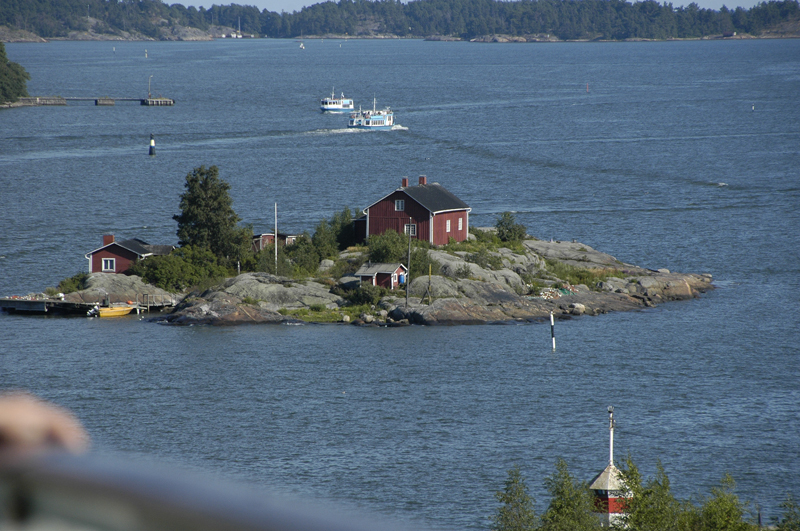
{"points": [[101, 102], [47, 305]]}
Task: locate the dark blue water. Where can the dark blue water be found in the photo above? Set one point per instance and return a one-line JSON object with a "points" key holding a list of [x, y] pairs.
{"points": [[664, 162]]}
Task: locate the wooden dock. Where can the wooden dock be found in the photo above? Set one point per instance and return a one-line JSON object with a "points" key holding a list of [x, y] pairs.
{"points": [[105, 101], [49, 306]]}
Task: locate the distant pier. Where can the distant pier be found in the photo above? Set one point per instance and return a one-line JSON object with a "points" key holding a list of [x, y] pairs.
{"points": [[101, 102]]}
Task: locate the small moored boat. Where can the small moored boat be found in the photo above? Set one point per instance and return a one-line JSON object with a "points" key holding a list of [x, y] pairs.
{"points": [[374, 119], [334, 104], [111, 311]]}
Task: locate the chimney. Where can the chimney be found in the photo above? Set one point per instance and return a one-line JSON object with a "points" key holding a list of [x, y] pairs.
{"points": [[423, 180], [404, 182], [108, 238]]}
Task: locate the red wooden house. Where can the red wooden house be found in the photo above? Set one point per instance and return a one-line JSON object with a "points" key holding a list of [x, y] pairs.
{"points": [[117, 257], [383, 275], [262, 241], [428, 211]]}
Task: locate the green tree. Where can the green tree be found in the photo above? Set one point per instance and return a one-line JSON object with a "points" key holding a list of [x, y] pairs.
{"points": [[508, 230], [182, 269], [571, 505], [304, 256], [388, 247], [516, 512], [421, 263], [722, 511], [790, 519], [266, 261], [650, 505], [12, 78], [207, 219], [324, 240]]}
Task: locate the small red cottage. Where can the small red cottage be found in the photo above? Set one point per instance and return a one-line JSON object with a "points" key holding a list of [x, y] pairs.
{"points": [[383, 275], [117, 257], [427, 211], [609, 491], [262, 241]]}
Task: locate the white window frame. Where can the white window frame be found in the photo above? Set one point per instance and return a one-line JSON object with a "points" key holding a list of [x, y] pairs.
{"points": [[460, 224], [412, 227], [447, 226], [399, 205], [111, 262]]}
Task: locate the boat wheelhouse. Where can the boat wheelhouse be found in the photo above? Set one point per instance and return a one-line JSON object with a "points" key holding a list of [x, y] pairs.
{"points": [[374, 119], [334, 104]]}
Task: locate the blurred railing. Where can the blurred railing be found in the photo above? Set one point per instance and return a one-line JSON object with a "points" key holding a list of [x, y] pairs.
{"points": [[61, 492]]}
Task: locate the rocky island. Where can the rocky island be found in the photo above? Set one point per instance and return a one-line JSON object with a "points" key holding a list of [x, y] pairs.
{"points": [[522, 288]]}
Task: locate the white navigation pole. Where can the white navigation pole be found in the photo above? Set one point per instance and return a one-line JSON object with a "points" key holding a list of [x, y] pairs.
{"points": [[275, 239], [611, 436]]}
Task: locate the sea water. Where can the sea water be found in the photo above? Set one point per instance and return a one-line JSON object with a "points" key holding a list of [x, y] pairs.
{"points": [[678, 155]]}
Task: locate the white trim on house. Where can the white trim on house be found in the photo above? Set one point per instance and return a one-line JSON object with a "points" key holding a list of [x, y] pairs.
{"points": [[109, 265]]}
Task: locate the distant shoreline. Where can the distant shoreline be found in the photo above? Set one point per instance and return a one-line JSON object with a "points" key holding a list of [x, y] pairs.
{"points": [[183, 34]]}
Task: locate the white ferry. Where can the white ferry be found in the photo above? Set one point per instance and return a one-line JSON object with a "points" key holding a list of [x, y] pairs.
{"points": [[374, 119], [334, 104]]}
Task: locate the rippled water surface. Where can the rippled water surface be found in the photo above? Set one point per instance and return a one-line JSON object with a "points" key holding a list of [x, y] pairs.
{"points": [[681, 155]]}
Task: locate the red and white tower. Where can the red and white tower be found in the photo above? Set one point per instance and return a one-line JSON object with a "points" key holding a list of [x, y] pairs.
{"points": [[607, 486]]}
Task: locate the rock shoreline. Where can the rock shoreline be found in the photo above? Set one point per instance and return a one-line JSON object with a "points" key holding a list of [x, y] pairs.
{"points": [[485, 296], [512, 286]]}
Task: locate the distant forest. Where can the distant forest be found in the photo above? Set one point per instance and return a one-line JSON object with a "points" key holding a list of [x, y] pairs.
{"points": [[563, 19]]}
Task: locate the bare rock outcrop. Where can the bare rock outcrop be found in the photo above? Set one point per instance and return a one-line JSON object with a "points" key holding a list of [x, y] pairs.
{"points": [[116, 289]]}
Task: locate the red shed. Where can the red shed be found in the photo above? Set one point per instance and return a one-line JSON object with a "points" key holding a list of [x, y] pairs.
{"points": [[117, 257], [428, 211], [262, 241], [383, 275]]}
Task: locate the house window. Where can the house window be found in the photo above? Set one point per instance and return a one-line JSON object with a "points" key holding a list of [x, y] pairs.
{"points": [[399, 205], [460, 224], [109, 264], [411, 229], [447, 226]]}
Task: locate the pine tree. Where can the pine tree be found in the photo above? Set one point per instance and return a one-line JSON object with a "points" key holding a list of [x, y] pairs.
{"points": [[516, 512], [207, 219], [12, 78], [650, 505], [571, 504]]}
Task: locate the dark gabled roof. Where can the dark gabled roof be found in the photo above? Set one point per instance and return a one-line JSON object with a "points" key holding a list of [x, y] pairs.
{"points": [[138, 247], [434, 197], [135, 245], [373, 269]]}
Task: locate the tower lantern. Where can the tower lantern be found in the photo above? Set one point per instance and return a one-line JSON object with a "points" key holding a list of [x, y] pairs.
{"points": [[609, 499]]}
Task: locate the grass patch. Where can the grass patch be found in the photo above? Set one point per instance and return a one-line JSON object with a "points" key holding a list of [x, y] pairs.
{"points": [[318, 313], [250, 300], [580, 275]]}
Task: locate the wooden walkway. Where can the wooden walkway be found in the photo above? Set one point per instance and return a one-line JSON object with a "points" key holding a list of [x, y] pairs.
{"points": [[105, 101], [43, 306]]}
